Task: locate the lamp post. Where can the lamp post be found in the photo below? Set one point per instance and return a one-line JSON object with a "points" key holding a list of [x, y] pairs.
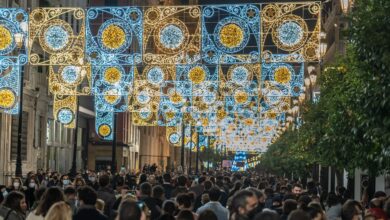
{"points": [[197, 154], [182, 144], [18, 169], [345, 5], [189, 167], [113, 150], [73, 170]]}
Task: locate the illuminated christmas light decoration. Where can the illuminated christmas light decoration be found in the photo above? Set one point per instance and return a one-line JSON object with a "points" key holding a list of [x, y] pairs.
{"points": [[70, 80], [9, 84], [104, 124], [240, 162], [65, 110], [49, 31]]}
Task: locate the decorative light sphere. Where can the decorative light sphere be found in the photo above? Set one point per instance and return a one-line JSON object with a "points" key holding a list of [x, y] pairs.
{"points": [[5, 38], [171, 36], [197, 75], [56, 37], [65, 116], [231, 35], [290, 33], [241, 97], [113, 37], [174, 138], [143, 97], [282, 75], [70, 74], [7, 98], [155, 76], [104, 130], [112, 75], [240, 75]]}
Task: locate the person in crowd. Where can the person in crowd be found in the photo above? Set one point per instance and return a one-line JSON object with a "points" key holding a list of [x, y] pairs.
{"points": [[78, 182], [169, 207], [299, 215], [375, 208], [32, 186], [70, 198], [185, 215], [297, 189], [107, 194], [64, 181], [181, 186], [243, 202], [334, 207], [51, 196], [237, 187], [146, 192], [158, 195], [352, 210], [92, 180], [207, 215], [38, 196], [166, 217], [167, 185], [54, 180], [289, 205], [87, 197], [59, 211], [14, 206], [100, 206], [130, 210], [17, 185], [266, 215], [214, 205], [3, 192]]}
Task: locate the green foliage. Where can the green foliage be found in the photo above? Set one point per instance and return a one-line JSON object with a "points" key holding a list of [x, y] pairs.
{"points": [[350, 126]]}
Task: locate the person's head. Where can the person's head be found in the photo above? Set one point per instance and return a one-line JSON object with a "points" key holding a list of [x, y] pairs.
{"points": [[158, 192], [243, 202], [16, 201], [17, 183], [207, 215], [303, 201], [146, 189], [205, 198], [59, 211], [184, 200], [79, 182], [104, 180], [129, 209], [169, 207], [237, 185], [207, 185], [267, 215], [167, 177], [297, 189], [185, 215], [380, 195], [100, 205], [70, 193], [214, 194], [166, 217], [201, 180], [65, 180], [314, 213], [332, 199], [181, 181], [87, 195], [289, 205], [51, 196], [298, 215], [375, 203], [352, 210], [39, 193]]}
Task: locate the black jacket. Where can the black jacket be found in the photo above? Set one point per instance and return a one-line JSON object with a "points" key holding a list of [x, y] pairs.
{"points": [[89, 212]]}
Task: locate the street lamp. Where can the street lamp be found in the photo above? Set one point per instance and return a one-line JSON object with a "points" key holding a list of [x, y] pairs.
{"points": [[323, 48], [345, 4]]}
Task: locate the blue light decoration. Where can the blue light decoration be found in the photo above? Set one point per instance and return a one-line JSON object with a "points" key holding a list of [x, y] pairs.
{"points": [[104, 122], [118, 38], [70, 80], [240, 162], [56, 37], [65, 116], [9, 85], [65, 109], [236, 36]]}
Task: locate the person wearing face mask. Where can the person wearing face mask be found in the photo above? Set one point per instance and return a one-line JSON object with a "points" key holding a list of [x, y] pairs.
{"points": [[14, 207], [30, 191], [78, 182], [92, 181], [243, 205], [65, 181], [54, 180], [3, 191], [17, 185]]}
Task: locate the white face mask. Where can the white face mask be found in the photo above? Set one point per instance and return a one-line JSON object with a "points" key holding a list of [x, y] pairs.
{"points": [[31, 185], [5, 193], [92, 178], [16, 184], [65, 182]]}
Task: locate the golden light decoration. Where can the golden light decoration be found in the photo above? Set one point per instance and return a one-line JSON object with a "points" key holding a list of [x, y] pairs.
{"points": [[5, 37], [111, 96], [248, 121], [176, 98], [112, 75], [7, 98], [113, 37], [282, 75], [204, 121], [197, 75], [231, 35], [170, 115], [241, 97], [221, 114], [104, 130]]}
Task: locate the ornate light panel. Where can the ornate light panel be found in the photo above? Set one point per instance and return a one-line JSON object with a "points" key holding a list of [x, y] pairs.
{"points": [[114, 36], [62, 42], [65, 110], [172, 35], [290, 32], [104, 122], [70, 80], [231, 34], [9, 85]]}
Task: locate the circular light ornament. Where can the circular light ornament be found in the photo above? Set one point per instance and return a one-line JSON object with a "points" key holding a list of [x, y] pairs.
{"points": [[114, 36], [112, 75], [282, 75], [7, 98], [240, 75], [145, 115], [221, 114], [176, 98], [104, 130], [112, 96], [210, 98], [56, 37], [70, 74], [65, 116], [174, 138], [197, 75], [143, 97], [241, 97], [171, 36], [6, 39], [290, 33], [155, 76], [231, 35]]}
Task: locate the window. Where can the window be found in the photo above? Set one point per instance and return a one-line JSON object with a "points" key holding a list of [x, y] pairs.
{"points": [[14, 135]]}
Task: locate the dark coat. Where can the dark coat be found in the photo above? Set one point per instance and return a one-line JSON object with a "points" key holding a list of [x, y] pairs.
{"points": [[89, 212], [108, 196]]}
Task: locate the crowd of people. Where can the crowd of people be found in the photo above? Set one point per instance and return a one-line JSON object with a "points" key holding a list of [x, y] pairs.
{"points": [[152, 195]]}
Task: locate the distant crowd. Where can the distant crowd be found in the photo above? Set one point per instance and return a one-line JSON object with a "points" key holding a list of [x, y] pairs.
{"points": [[152, 195]]}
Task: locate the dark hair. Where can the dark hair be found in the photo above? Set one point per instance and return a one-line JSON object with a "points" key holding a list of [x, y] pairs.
{"points": [[12, 201], [167, 177], [88, 195], [146, 189], [184, 199], [169, 207], [207, 185], [158, 191], [166, 217], [266, 215], [298, 215], [304, 201], [185, 215], [69, 191], [289, 196], [297, 185], [201, 179], [289, 206], [332, 199], [349, 209], [51, 196], [379, 194], [207, 215], [181, 181], [239, 199], [214, 194], [104, 180], [142, 178], [39, 193], [313, 212], [262, 185], [257, 192], [129, 210]]}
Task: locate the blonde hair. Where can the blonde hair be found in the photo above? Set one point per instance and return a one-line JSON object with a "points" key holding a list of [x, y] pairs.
{"points": [[100, 205], [59, 211]]}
